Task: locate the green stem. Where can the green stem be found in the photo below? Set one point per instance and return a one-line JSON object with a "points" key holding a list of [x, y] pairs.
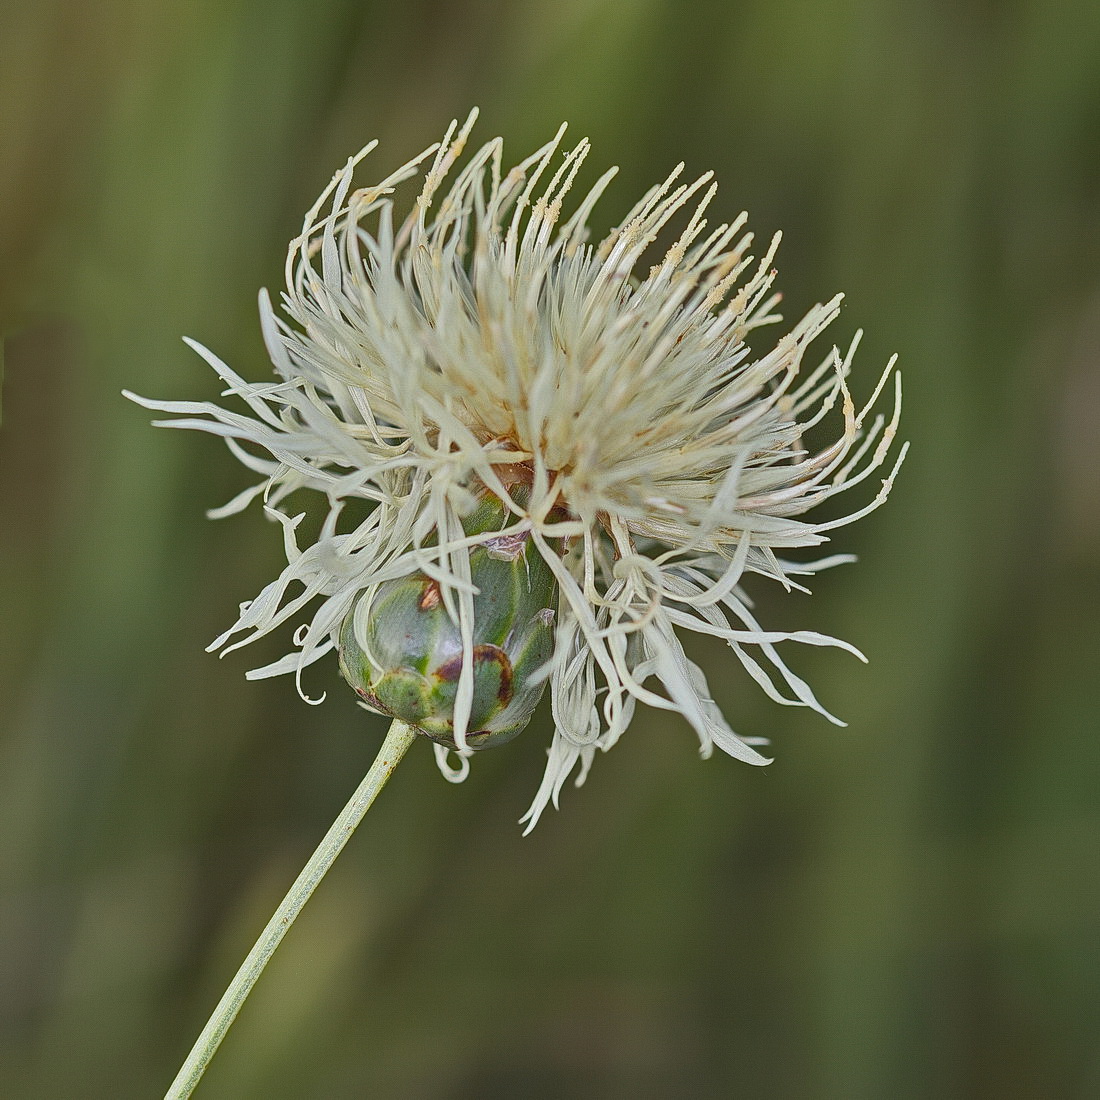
{"points": [[399, 738]]}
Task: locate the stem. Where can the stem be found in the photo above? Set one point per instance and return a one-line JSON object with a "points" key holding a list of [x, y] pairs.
{"points": [[399, 738]]}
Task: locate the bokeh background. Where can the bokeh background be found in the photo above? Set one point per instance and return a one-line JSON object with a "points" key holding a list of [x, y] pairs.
{"points": [[907, 908]]}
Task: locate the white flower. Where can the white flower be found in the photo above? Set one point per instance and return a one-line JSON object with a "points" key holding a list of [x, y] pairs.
{"points": [[483, 342]]}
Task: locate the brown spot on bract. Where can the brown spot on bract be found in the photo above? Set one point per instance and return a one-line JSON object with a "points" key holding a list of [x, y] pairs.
{"points": [[371, 699], [450, 670], [430, 597]]}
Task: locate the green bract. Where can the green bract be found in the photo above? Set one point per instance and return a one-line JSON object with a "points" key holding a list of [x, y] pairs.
{"points": [[415, 647]]}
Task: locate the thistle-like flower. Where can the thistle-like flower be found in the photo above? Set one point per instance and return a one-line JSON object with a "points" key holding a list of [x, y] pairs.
{"points": [[491, 387]]}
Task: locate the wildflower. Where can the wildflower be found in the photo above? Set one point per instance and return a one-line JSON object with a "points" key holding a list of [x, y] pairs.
{"points": [[630, 447]]}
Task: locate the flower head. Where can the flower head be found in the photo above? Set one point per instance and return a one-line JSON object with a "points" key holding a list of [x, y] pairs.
{"points": [[483, 348]]}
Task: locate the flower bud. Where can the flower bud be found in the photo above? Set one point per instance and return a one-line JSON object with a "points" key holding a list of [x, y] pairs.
{"points": [[409, 664]]}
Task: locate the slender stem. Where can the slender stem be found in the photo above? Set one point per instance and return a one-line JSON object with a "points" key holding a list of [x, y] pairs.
{"points": [[399, 738]]}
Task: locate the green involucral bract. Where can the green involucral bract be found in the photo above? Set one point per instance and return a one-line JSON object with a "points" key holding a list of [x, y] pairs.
{"points": [[416, 648]]}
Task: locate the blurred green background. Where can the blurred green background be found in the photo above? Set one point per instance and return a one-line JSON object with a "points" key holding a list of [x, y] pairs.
{"points": [[908, 908]]}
